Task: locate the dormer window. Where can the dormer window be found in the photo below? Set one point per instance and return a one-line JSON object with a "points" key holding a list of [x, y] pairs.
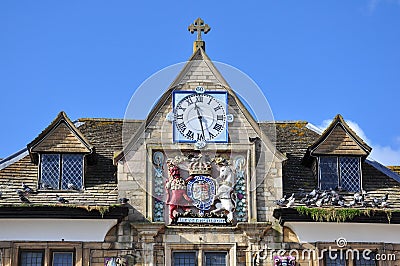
{"points": [[343, 172], [336, 157], [61, 171]]}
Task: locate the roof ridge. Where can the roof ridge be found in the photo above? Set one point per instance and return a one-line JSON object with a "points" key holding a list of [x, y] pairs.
{"points": [[100, 119]]}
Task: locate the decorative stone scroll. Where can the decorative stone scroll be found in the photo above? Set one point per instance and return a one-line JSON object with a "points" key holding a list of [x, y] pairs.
{"points": [[159, 191]]}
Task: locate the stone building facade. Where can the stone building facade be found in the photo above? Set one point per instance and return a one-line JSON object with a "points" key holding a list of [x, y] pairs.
{"points": [[198, 182]]}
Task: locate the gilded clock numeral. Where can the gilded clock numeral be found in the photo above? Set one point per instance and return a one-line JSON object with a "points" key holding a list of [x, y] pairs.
{"points": [[179, 116], [190, 134], [217, 127], [220, 117], [181, 127], [200, 136]]}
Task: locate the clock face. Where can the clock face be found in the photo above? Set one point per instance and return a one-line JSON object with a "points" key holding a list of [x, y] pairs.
{"points": [[200, 117]]}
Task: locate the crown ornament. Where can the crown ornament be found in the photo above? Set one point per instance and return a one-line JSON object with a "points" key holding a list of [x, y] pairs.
{"points": [[200, 165]]}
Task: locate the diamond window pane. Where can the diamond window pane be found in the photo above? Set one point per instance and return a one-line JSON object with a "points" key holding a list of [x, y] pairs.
{"points": [[50, 170], [62, 258], [215, 258], [72, 170], [350, 173], [31, 258], [184, 259], [328, 172]]}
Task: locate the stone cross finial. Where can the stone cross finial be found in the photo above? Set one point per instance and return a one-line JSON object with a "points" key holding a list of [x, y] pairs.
{"points": [[199, 26]]}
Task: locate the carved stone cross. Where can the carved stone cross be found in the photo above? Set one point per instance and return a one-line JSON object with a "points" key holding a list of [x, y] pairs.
{"points": [[199, 26]]}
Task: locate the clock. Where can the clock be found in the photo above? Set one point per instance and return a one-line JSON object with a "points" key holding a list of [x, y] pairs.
{"points": [[200, 116]]}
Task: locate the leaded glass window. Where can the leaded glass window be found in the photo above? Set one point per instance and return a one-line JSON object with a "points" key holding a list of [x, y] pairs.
{"points": [[61, 171], [31, 258], [350, 173], [215, 258], [63, 258], [328, 172], [340, 171], [184, 259]]}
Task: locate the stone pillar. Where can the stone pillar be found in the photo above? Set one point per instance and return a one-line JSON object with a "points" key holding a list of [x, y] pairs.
{"points": [[147, 234]]}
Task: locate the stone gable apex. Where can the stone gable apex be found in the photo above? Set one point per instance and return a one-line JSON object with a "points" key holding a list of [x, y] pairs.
{"points": [[199, 68]]}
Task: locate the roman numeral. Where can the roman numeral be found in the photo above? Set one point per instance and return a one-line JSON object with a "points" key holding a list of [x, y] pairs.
{"points": [[180, 116], [190, 134], [210, 101], [199, 98], [181, 108], [217, 108], [220, 117], [211, 135], [181, 126], [217, 127], [189, 101], [200, 136]]}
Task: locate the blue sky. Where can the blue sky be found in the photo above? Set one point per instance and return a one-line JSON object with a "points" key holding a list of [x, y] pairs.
{"points": [[312, 59]]}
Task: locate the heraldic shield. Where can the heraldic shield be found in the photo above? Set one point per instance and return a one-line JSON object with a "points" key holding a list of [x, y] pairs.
{"points": [[201, 189]]}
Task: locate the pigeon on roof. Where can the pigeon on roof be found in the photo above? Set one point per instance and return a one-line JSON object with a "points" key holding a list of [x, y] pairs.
{"points": [[72, 186], [61, 199], [123, 200], [27, 189]]}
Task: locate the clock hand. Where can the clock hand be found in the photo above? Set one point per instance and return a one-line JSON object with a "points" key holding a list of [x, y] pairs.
{"points": [[199, 117]]}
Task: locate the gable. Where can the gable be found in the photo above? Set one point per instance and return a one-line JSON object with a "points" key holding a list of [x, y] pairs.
{"points": [[61, 139], [339, 142], [61, 136], [199, 68]]}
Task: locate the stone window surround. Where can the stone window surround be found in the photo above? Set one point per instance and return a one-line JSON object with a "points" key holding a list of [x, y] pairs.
{"points": [[200, 249], [48, 249]]}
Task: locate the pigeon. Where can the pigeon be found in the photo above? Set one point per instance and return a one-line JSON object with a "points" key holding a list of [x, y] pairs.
{"points": [[357, 197], [26, 188], [123, 200], [319, 203], [341, 203], [326, 199], [386, 197], [1, 194], [72, 186], [375, 202], [61, 200], [281, 201], [351, 203], [313, 193], [23, 198], [291, 202], [45, 186], [291, 197]]}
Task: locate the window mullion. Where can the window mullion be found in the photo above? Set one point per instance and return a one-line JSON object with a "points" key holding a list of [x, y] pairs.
{"points": [[61, 170]]}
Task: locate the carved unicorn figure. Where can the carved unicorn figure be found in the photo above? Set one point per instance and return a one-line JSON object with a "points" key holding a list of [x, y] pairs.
{"points": [[227, 198]]}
